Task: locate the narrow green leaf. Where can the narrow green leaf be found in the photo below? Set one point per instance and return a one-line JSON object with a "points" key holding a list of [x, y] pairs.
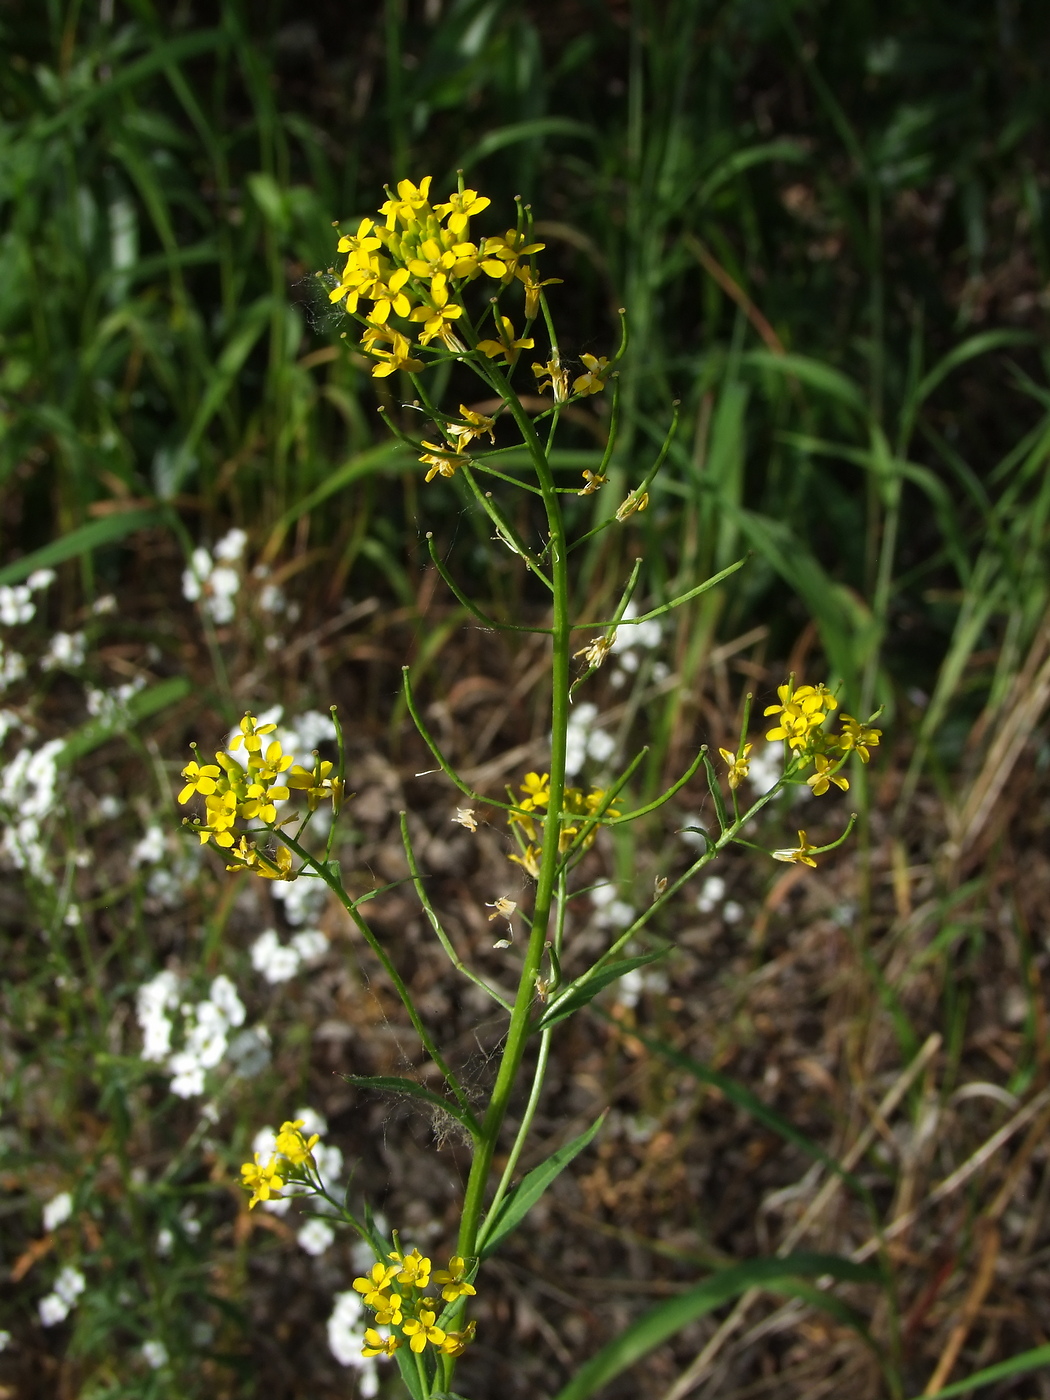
{"points": [[814, 373], [520, 1201], [1016, 1366], [655, 1326], [92, 735], [580, 996], [406, 1364], [80, 541], [393, 1084], [514, 132]]}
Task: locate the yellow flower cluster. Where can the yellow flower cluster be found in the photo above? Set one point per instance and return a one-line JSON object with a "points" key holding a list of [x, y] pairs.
{"points": [[250, 790], [800, 717], [529, 810], [404, 277], [294, 1154], [398, 1292]]}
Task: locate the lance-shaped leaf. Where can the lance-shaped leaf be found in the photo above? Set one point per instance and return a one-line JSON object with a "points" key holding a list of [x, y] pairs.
{"points": [[520, 1201], [655, 1326], [580, 996]]}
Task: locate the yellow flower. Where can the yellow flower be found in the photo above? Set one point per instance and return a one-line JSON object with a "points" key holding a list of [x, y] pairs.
{"points": [[437, 319], [460, 209], [507, 345], [421, 1330], [376, 1345], [634, 501], [375, 1284], [529, 862], [452, 1282], [390, 297], [738, 767], [593, 380], [316, 782], [537, 788], [275, 867], [414, 1269], [389, 1313], [199, 779], [500, 256], [292, 1144], [399, 356], [820, 780], [250, 735], [455, 1342], [857, 738], [552, 376], [221, 815], [593, 480], [800, 856], [262, 1181], [410, 199], [533, 289], [442, 460]]}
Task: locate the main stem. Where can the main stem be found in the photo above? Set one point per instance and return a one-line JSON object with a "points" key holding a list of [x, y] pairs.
{"points": [[518, 1030]]}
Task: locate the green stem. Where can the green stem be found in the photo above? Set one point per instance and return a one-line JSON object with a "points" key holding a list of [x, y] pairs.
{"points": [[519, 1028]]}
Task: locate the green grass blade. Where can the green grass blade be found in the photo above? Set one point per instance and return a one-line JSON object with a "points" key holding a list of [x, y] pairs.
{"points": [[520, 1201], [1016, 1366], [658, 1324], [82, 540]]}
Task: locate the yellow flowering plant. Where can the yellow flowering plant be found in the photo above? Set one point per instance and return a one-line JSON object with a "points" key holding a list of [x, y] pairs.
{"points": [[425, 290]]}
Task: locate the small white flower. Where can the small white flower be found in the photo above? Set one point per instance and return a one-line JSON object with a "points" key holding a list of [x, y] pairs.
{"points": [[315, 1237], [58, 1210], [52, 1309], [187, 1075], [66, 652], [313, 1122], [276, 962], [165, 1240], [106, 604], [16, 604], [40, 578], [712, 892], [155, 1353], [732, 912], [601, 745], [70, 1284], [5, 1338], [150, 849], [310, 944], [223, 995], [231, 546]]}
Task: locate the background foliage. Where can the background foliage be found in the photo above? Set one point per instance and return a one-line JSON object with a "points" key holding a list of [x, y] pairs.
{"points": [[828, 225]]}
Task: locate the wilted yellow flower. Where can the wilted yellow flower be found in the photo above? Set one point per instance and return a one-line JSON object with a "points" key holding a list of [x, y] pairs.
{"points": [[635, 501], [552, 376], [533, 289], [529, 862], [442, 460], [799, 856], [507, 346], [596, 652], [501, 908], [455, 1342], [738, 767], [465, 816], [593, 480]]}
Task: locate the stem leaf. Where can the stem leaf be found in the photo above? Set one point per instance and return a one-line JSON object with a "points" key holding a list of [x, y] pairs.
{"points": [[394, 1084], [520, 1201], [580, 996]]}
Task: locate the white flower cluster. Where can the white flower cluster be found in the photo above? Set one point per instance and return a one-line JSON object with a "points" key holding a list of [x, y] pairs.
{"points": [[346, 1337], [155, 1353], [767, 767], [610, 911], [16, 600], [58, 1304], [66, 652], [632, 641], [12, 666], [111, 706], [279, 962], [57, 1211], [211, 580], [712, 894], [583, 740], [27, 795], [206, 1028]]}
